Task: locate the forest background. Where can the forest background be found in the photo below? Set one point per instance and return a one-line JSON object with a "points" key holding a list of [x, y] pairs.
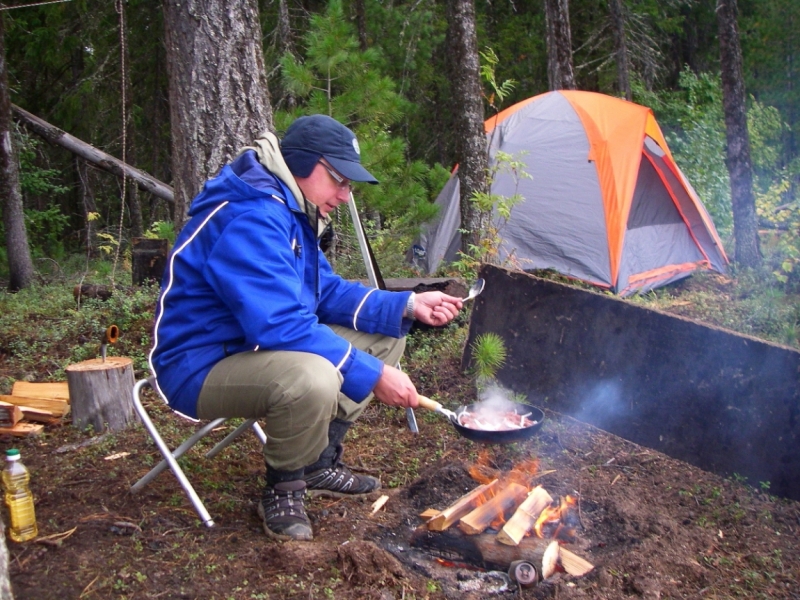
{"points": [[381, 67]]}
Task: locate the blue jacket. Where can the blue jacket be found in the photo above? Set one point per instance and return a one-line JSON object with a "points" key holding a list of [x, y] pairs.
{"points": [[246, 274]]}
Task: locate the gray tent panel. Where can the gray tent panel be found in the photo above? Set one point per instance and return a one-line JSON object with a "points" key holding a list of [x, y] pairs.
{"points": [[656, 234], [560, 225], [440, 240], [689, 210]]}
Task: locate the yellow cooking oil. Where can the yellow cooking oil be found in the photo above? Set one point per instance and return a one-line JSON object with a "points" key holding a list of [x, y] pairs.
{"points": [[19, 499]]}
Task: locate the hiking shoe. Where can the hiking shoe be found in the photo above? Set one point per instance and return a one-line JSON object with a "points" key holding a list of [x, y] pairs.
{"points": [[284, 513], [337, 481]]}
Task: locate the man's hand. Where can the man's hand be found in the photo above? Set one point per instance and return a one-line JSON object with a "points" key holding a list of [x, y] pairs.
{"points": [[394, 388], [436, 308]]}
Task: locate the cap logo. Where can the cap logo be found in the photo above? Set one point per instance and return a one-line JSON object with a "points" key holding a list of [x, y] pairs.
{"points": [[355, 146]]}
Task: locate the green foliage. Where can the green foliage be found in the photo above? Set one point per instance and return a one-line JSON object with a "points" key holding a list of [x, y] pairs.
{"points": [[498, 91], [44, 330], [338, 79], [488, 355], [46, 227], [162, 230], [694, 126]]}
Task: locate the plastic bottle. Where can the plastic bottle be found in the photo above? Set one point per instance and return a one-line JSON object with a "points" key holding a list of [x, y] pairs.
{"points": [[18, 499]]}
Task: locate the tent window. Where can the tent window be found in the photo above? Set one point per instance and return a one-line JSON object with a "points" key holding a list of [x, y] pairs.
{"points": [[652, 204]]}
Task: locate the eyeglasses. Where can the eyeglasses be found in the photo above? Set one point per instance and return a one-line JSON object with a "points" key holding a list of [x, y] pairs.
{"points": [[340, 181]]}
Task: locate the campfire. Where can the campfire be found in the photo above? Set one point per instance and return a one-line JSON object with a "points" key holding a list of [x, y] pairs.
{"points": [[507, 523]]}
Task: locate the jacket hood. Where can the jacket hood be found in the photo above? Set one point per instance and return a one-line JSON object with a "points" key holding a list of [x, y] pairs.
{"points": [[269, 155]]}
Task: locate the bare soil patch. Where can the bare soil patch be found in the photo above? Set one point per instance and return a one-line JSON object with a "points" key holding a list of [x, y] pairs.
{"points": [[655, 527]]}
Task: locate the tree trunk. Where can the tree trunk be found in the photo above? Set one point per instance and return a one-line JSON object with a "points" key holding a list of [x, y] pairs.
{"points": [[745, 222], [88, 205], [361, 23], [471, 148], [616, 11], [285, 43], [560, 73], [20, 264], [218, 95]]}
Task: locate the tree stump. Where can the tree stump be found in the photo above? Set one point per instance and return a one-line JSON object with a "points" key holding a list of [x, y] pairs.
{"points": [[149, 260], [100, 393]]}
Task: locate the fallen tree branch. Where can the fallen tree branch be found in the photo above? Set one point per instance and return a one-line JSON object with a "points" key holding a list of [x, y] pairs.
{"points": [[89, 153]]}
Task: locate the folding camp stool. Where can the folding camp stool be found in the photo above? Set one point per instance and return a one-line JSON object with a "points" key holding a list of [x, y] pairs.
{"points": [[171, 457]]}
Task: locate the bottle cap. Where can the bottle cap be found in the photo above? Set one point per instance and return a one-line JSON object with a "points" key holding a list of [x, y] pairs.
{"points": [[12, 454]]}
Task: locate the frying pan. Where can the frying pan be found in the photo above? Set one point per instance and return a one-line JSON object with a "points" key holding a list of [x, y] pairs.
{"points": [[489, 437]]}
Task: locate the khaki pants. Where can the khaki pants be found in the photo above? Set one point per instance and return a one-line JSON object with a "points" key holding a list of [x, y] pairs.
{"points": [[297, 395]]}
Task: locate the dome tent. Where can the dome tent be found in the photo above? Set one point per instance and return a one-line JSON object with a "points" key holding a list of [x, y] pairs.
{"points": [[605, 202]]}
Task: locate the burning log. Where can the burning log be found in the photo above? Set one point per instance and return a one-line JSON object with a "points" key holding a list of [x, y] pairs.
{"points": [[482, 550], [557, 520], [462, 506], [525, 517], [497, 508]]}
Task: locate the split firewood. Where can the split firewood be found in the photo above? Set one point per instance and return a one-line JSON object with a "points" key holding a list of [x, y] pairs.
{"points": [[500, 506], [22, 429], [378, 504], [429, 513], [463, 506], [574, 564], [551, 560], [525, 516], [38, 415], [56, 408], [56, 390], [10, 414]]}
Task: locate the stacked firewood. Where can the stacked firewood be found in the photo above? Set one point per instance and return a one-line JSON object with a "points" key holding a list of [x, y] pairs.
{"points": [[31, 406]]}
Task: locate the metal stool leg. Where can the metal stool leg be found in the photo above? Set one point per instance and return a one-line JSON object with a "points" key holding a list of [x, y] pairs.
{"points": [[168, 457]]}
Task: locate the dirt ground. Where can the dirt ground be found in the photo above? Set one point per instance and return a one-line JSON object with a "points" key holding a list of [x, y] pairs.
{"points": [[653, 526]]}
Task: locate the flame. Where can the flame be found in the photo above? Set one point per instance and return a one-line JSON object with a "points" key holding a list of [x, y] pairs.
{"points": [[481, 470], [523, 473], [558, 521]]}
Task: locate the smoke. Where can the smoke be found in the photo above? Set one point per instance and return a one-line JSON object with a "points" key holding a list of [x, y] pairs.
{"points": [[494, 404], [603, 404]]}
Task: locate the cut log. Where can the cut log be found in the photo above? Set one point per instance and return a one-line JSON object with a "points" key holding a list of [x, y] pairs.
{"points": [[101, 393], [463, 506], [56, 408], [484, 551], [22, 429], [103, 292], [525, 517], [57, 390], [10, 414], [503, 504]]}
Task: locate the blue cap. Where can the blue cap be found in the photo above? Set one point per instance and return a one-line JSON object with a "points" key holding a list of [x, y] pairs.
{"points": [[322, 136]]}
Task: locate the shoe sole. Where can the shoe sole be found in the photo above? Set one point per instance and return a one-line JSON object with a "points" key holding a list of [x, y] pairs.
{"points": [[280, 536], [331, 494]]}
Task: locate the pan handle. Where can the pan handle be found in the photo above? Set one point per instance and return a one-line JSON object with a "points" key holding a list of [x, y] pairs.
{"points": [[426, 402], [433, 405]]}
